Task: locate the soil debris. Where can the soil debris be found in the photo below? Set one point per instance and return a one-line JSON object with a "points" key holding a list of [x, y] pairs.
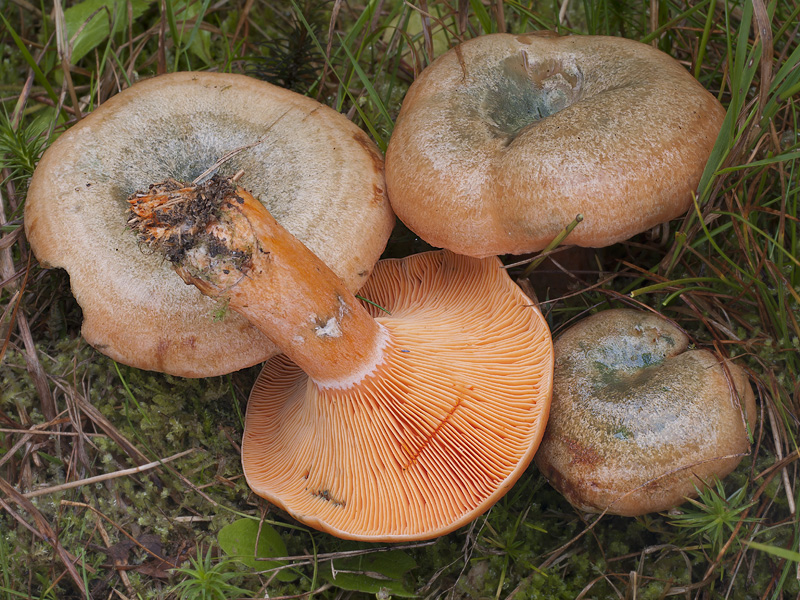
{"points": [[174, 217]]}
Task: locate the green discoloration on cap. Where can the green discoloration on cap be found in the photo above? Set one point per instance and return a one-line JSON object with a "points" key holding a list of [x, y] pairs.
{"points": [[656, 417]]}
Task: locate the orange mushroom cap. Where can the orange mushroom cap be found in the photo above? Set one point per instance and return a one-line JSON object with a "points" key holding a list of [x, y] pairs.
{"points": [[440, 429], [318, 173], [504, 139]]}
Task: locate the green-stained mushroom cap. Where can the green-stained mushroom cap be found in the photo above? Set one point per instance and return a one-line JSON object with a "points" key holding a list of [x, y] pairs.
{"points": [[316, 172], [637, 419], [504, 139]]}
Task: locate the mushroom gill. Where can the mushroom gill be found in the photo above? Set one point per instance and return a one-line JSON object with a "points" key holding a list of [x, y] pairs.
{"points": [[442, 427], [401, 426]]}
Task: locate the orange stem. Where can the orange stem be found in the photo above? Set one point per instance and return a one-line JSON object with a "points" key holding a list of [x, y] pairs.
{"points": [[245, 258]]}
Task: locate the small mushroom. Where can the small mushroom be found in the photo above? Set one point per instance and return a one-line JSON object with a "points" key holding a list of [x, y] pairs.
{"points": [[508, 137], [399, 427], [318, 173], [638, 420]]}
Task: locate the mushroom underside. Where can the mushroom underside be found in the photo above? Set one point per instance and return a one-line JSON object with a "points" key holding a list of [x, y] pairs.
{"points": [[436, 434]]}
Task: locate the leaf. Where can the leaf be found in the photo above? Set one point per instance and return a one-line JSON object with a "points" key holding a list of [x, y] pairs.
{"points": [[372, 573], [194, 39], [779, 552], [411, 23], [365, 80], [97, 14], [486, 21], [32, 64], [238, 540], [766, 161]]}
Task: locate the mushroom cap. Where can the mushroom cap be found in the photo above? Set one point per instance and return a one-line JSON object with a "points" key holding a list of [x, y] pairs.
{"points": [[315, 171], [637, 419], [506, 138], [436, 434]]}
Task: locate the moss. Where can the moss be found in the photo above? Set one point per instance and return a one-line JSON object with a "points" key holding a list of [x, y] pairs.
{"points": [[163, 415]]}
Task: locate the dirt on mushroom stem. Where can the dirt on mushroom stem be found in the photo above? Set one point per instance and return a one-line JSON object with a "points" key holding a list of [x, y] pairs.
{"points": [[174, 218], [222, 240]]}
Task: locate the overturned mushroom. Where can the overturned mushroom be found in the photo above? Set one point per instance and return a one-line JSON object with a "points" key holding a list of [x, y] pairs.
{"points": [[506, 138], [638, 420], [318, 173], [403, 426]]}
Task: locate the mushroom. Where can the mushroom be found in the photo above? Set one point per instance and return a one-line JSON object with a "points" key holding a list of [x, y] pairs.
{"points": [[639, 421], [318, 174], [509, 137], [399, 427]]}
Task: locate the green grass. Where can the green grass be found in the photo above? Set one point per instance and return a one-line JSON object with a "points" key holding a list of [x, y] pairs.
{"points": [[728, 272], [206, 580]]}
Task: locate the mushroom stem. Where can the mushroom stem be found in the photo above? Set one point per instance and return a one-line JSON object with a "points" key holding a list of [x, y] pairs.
{"points": [[222, 240]]}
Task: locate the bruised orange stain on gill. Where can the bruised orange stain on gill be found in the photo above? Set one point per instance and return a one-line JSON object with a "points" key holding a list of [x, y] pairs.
{"points": [[429, 438]]}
